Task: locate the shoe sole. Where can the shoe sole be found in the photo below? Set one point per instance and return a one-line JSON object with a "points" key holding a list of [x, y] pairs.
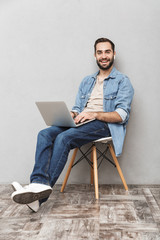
{"points": [[29, 197], [28, 205]]}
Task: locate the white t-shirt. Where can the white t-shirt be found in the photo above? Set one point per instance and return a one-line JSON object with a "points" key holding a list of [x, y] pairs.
{"points": [[95, 102]]}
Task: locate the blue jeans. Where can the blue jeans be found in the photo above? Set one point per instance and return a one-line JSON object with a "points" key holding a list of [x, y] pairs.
{"points": [[54, 144]]}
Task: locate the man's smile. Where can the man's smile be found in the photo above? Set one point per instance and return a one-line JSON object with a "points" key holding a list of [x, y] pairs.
{"points": [[104, 61]]}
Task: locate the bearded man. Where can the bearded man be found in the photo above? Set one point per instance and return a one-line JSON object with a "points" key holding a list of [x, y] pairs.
{"points": [[105, 96]]}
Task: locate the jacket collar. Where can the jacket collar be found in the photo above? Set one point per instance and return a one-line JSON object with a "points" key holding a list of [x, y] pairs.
{"points": [[112, 74]]}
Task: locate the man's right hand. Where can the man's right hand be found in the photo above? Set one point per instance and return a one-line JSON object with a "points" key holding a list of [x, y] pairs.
{"points": [[72, 114]]}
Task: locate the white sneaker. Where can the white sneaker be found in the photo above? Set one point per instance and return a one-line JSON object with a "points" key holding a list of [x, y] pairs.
{"points": [[31, 193], [34, 206]]}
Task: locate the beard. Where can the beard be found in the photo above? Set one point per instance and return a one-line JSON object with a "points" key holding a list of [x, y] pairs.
{"points": [[110, 63]]}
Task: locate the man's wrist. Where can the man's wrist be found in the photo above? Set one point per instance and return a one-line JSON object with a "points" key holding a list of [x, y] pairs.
{"points": [[95, 115]]}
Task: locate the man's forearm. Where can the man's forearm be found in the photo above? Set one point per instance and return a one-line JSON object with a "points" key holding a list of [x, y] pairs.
{"points": [[112, 117]]}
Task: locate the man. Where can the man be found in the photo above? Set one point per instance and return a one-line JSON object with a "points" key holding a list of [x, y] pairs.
{"points": [[105, 96]]}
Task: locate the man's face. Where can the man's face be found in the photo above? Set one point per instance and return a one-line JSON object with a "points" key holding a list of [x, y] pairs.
{"points": [[104, 55]]}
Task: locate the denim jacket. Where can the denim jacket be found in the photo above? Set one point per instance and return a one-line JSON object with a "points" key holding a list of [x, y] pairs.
{"points": [[117, 94]]}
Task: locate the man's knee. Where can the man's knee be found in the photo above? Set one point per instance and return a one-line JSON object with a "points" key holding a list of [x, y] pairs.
{"points": [[50, 133], [44, 134], [63, 138], [66, 139]]}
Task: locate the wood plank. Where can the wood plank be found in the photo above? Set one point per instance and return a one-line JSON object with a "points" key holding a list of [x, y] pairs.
{"points": [[75, 214]]}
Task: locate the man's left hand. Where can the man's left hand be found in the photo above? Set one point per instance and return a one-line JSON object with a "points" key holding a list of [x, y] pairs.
{"points": [[83, 116]]}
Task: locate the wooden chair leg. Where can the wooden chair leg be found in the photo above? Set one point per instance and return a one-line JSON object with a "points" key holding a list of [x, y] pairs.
{"points": [[69, 169], [95, 171], [92, 168], [118, 166]]}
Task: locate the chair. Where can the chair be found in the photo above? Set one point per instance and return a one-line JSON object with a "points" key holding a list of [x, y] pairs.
{"points": [[93, 162]]}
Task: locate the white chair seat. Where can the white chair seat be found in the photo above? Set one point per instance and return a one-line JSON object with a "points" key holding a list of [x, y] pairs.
{"points": [[104, 140]]}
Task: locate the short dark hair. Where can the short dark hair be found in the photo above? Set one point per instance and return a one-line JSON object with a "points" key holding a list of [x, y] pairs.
{"points": [[104, 40]]}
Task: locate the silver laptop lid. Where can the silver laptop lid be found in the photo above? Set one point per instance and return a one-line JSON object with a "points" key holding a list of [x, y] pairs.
{"points": [[56, 113]]}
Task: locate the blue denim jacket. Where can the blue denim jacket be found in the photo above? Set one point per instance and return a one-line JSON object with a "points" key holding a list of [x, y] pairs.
{"points": [[117, 94]]}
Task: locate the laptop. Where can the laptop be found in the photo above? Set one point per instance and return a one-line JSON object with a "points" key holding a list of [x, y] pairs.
{"points": [[57, 114]]}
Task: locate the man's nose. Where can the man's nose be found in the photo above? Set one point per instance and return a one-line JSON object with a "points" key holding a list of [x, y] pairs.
{"points": [[104, 55]]}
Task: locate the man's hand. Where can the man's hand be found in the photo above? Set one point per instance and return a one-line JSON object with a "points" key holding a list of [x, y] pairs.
{"points": [[72, 114], [83, 116]]}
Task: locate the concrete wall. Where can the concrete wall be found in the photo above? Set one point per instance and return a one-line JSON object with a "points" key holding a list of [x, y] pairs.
{"points": [[46, 48]]}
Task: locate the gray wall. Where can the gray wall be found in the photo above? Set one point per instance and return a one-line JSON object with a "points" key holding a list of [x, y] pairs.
{"points": [[46, 48]]}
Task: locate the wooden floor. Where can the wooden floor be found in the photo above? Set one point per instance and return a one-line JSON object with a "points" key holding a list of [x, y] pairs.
{"points": [[75, 215]]}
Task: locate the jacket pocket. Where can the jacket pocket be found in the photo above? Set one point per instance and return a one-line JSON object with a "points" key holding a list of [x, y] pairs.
{"points": [[111, 96], [109, 100], [83, 101]]}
